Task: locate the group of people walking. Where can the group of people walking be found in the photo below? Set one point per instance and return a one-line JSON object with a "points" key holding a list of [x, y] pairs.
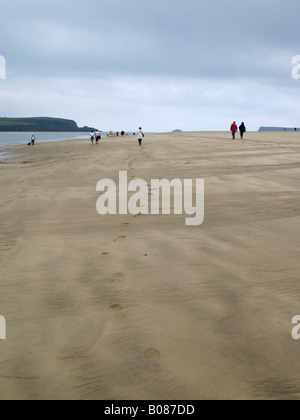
{"points": [[95, 136], [234, 129]]}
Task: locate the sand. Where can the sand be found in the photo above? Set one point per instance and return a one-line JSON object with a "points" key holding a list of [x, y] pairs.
{"points": [[124, 307]]}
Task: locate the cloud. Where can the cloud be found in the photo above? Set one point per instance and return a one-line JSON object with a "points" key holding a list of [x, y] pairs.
{"points": [[157, 103], [188, 38], [129, 58]]}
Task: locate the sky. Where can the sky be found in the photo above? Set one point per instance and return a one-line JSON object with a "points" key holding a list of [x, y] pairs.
{"points": [[160, 64]]}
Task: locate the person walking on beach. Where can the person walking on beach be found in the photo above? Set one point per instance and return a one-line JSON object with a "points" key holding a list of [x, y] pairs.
{"points": [[242, 129], [140, 136], [98, 136], [233, 129], [92, 137], [32, 140]]}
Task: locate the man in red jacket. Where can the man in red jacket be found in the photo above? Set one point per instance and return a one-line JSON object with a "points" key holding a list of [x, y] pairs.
{"points": [[233, 129]]}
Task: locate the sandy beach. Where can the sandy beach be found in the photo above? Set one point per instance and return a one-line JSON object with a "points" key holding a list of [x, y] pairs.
{"points": [[124, 307]]}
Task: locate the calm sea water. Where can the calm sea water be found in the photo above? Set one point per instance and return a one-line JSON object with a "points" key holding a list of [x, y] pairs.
{"points": [[14, 139]]}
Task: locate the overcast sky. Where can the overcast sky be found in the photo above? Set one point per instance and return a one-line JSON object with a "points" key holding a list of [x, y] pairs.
{"points": [[161, 64]]}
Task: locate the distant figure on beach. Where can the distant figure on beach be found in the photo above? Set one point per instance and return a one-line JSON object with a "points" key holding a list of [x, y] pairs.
{"points": [[32, 140], [98, 136], [140, 136], [92, 137], [233, 129], [242, 129], [122, 133]]}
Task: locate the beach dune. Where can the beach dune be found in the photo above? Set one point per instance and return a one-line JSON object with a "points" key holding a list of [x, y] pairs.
{"points": [[144, 307]]}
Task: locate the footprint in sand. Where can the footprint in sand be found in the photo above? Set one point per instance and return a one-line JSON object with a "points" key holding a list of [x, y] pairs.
{"points": [[120, 238], [7, 245], [137, 215], [105, 253], [115, 308], [152, 358], [117, 276]]}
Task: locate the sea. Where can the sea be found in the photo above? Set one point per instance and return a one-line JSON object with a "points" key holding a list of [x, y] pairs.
{"points": [[19, 138], [14, 139], [8, 139]]}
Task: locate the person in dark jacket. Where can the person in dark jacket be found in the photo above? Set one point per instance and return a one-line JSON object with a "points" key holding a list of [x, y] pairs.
{"points": [[242, 129]]}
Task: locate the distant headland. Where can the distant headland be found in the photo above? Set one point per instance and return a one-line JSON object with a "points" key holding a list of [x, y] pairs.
{"points": [[278, 129], [41, 124]]}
